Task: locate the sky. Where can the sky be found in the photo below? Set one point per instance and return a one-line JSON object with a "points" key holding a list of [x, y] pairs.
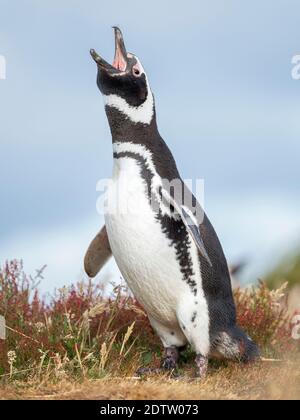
{"points": [[227, 105]]}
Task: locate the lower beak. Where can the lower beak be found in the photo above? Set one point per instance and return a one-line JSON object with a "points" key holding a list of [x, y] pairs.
{"points": [[120, 60]]}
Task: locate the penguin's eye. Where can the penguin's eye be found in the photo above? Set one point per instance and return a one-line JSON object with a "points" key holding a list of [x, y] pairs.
{"points": [[136, 72]]}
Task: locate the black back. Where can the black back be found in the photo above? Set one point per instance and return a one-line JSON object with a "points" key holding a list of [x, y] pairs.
{"points": [[216, 279]]}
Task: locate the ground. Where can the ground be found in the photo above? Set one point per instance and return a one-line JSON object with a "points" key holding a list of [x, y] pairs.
{"points": [[84, 343], [264, 380]]}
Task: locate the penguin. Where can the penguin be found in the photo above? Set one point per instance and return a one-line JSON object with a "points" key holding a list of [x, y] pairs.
{"points": [[163, 242]]}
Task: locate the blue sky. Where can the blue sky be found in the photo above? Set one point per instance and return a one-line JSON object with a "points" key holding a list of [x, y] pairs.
{"points": [[226, 102]]}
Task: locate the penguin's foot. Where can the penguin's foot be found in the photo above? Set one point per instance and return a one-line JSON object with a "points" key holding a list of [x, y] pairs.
{"points": [[149, 371], [170, 360], [202, 366], [159, 371]]}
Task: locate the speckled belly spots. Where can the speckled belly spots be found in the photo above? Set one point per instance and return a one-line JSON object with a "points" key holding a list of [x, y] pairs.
{"points": [[180, 239], [194, 316]]}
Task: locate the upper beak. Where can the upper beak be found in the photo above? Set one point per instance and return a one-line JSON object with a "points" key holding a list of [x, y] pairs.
{"points": [[120, 60]]}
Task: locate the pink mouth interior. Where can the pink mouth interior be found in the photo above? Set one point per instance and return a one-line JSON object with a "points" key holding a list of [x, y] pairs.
{"points": [[119, 62]]}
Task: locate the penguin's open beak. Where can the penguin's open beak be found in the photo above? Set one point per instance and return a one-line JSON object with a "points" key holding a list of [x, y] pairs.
{"points": [[119, 64]]}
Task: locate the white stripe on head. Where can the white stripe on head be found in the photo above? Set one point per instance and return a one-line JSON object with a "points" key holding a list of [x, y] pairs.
{"points": [[138, 114]]}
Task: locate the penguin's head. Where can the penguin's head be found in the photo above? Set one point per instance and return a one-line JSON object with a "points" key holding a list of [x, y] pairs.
{"points": [[124, 83]]}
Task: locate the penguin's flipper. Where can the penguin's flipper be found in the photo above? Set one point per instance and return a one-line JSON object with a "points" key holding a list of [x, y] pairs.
{"points": [[190, 222], [97, 254]]}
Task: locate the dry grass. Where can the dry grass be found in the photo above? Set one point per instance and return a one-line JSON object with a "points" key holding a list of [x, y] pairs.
{"points": [[260, 381], [83, 344]]}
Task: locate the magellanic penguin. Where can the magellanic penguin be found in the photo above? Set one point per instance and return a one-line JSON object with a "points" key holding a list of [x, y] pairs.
{"points": [[162, 241]]}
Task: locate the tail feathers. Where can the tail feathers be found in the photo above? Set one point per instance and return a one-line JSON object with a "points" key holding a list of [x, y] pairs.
{"points": [[234, 344]]}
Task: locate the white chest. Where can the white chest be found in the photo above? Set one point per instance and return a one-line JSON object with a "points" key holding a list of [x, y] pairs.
{"points": [[144, 254]]}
